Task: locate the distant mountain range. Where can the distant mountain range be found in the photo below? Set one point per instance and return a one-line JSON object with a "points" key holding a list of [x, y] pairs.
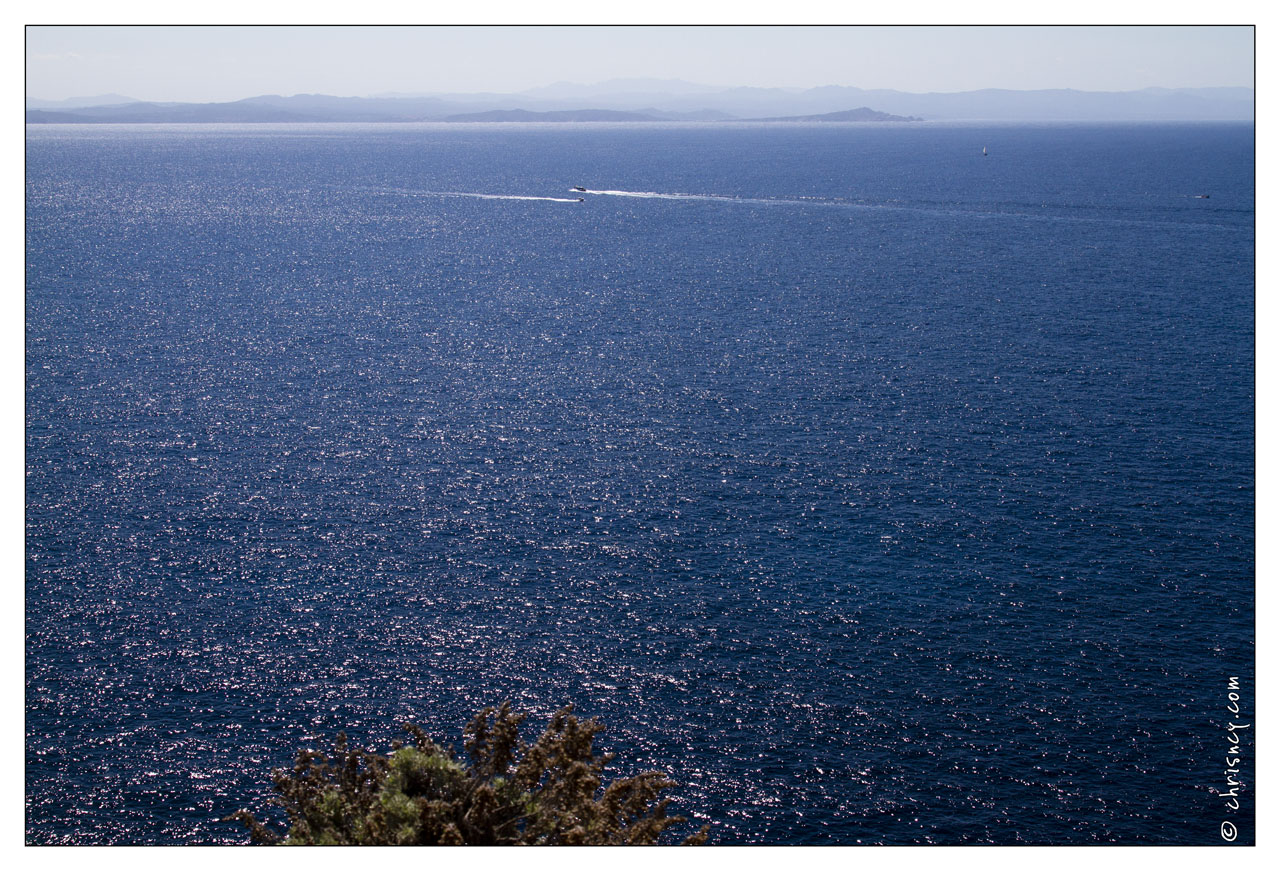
{"points": [[863, 114], [672, 100], [80, 102]]}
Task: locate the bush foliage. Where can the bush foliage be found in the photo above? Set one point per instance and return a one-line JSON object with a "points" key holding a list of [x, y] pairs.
{"points": [[508, 792]]}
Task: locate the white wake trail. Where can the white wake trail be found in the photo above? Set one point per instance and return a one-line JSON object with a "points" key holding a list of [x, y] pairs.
{"points": [[715, 198], [473, 195], [495, 196], [654, 195]]}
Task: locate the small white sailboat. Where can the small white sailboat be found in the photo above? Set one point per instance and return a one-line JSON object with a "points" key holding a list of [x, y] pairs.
{"points": [[984, 151]]}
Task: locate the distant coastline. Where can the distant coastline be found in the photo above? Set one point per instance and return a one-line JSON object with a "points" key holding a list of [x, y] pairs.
{"points": [[142, 113], [826, 104]]}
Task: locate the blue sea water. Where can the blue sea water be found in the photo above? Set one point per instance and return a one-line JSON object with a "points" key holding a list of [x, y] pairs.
{"points": [[879, 491]]}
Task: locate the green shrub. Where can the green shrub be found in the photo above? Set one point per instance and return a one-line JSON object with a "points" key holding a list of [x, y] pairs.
{"points": [[509, 792]]}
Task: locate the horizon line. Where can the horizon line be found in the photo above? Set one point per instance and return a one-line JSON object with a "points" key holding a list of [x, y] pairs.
{"points": [[397, 95]]}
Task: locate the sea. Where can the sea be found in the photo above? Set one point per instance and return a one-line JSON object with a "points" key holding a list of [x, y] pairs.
{"points": [[878, 489]]}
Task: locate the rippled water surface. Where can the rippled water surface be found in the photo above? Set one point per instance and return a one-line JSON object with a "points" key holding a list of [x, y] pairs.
{"points": [[879, 491]]}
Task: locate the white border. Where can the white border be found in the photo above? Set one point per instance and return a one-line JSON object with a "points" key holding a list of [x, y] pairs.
{"points": [[657, 12]]}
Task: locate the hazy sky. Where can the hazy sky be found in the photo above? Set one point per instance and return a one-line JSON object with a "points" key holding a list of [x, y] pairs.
{"points": [[231, 63]]}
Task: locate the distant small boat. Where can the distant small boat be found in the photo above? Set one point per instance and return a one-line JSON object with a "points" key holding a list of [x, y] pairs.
{"points": [[1202, 196], [582, 199], [984, 151], [576, 188]]}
